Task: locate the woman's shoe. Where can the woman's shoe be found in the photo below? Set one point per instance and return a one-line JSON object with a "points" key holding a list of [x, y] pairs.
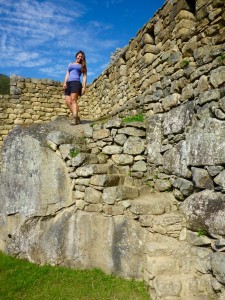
{"points": [[75, 120]]}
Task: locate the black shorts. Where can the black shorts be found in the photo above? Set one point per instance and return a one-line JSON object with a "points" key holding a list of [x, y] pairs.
{"points": [[73, 87]]}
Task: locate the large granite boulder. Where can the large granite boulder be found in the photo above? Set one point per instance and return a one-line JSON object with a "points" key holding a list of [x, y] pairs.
{"points": [[41, 219], [79, 239], [34, 179], [205, 210]]}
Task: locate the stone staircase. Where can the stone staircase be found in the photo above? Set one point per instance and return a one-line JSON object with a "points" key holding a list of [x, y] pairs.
{"points": [[170, 271], [169, 265], [99, 185]]}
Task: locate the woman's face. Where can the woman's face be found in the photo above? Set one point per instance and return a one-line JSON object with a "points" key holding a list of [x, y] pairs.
{"points": [[79, 58]]}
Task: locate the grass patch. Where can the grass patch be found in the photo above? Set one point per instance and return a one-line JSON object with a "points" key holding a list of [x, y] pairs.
{"points": [[74, 152], [4, 85], [184, 63], [136, 118], [221, 58], [20, 279], [201, 232]]}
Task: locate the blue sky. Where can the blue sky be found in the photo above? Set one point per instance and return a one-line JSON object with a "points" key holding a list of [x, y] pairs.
{"points": [[39, 38]]}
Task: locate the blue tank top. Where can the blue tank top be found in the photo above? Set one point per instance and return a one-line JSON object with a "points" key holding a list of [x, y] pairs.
{"points": [[74, 72]]}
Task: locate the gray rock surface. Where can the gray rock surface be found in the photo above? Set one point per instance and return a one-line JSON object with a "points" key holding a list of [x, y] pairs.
{"points": [[26, 154], [206, 143], [205, 210]]}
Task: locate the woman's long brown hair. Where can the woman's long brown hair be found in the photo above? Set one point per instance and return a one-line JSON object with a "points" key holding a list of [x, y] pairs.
{"points": [[84, 67]]}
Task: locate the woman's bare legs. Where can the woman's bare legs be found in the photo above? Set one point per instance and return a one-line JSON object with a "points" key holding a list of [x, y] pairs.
{"points": [[71, 102]]}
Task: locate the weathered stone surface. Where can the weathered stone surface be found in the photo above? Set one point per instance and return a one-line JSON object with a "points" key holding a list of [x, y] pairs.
{"points": [[203, 85], [187, 92], [112, 149], [219, 245], [79, 159], [52, 145], [101, 134], [174, 160], [170, 101], [198, 240], [82, 181], [154, 139], [61, 239], [161, 185], [119, 193], [202, 179], [205, 210], [94, 208], [222, 104], [78, 195], [209, 96], [217, 77], [80, 204], [59, 137], [178, 118], [206, 143], [220, 179], [189, 47], [85, 171], [120, 139], [113, 210], [88, 170], [25, 156], [214, 170], [123, 159], [185, 186], [168, 224], [104, 180], [153, 204], [218, 266], [92, 195], [166, 286], [132, 131], [134, 145], [219, 114], [113, 123], [65, 149], [139, 166]]}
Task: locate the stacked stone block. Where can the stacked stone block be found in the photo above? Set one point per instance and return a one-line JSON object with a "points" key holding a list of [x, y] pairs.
{"points": [[112, 169], [103, 180], [168, 62]]}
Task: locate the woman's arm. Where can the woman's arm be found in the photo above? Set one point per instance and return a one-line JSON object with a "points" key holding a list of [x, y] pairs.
{"points": [[84, 82], [65, 80]]}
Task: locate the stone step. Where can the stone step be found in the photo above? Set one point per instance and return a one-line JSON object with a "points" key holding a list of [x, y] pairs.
{"points": [[168, 265], [169, 224], [118, 193], [154, 204], [182, 287]]}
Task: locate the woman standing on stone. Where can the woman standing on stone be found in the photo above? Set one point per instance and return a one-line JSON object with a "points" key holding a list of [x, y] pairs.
{"points": [[72, 84]]}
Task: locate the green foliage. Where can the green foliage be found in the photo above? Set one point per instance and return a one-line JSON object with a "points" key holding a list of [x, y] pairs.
{"points": [[20, 279], [136, 118], [184, 63], [201, 232], [74, 152], [221, 58], [221, 23], [4, 85]]}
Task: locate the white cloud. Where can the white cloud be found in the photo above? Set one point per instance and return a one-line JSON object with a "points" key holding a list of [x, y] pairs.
{"points": [[38, 34]]}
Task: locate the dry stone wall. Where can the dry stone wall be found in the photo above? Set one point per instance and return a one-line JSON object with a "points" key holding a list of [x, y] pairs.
{"points": [[173, 73], [78, 197], [177, 57], [32, 101]]}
